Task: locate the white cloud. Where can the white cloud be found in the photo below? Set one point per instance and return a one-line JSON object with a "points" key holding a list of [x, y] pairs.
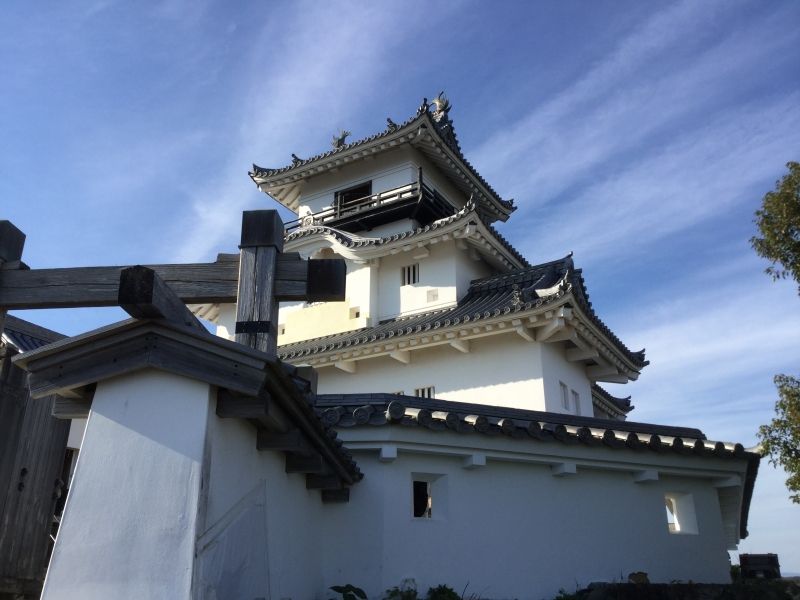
{"points": [[296, 85]]}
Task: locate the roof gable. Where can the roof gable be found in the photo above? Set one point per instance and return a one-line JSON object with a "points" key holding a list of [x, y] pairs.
{"points": [[430, 130]]}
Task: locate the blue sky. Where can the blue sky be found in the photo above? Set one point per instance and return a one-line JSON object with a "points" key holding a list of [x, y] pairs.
{"points": [[641, 136]]}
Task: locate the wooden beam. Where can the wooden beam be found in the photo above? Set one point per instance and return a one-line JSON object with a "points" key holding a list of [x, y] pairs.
{"points": [[403, 356], [12, 241], [300, 463], [546, 332], [254, 408], [578, 354], [289, 441], [198, 283], [645, 476], [144, 295], [71, 408], [525, 333], [348, 366], [563, 469], [462, 346], [322, 482], [601, 371], [257, 306]]}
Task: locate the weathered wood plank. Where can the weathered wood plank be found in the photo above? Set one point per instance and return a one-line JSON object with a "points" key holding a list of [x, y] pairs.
{"points": [[71, 408], [299, 463], [12, 241], [99, 286], [257, 306], [144, 295], [193, 283]]}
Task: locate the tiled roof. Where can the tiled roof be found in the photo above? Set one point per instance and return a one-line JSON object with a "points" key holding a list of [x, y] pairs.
{"points": [[436, 122], [622, 404], [348, 240], [365, 410], [517, 291], [25, 336]]}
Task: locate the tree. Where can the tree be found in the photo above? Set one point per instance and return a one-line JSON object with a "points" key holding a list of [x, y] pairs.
{"points": [[778, 221], [781, 438]]}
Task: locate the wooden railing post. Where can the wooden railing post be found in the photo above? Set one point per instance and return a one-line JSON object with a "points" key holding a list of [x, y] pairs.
{"points": [[12, 241], [257, 306]]}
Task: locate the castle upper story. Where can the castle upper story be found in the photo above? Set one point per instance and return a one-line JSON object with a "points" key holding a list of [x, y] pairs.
{"points": [[438, 303]]}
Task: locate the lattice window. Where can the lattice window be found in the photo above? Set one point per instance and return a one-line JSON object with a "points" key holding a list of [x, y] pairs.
{"points": [[410, 274]]}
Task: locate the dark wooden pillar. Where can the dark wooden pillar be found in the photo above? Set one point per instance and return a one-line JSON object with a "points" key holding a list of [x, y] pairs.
{"points": [[257, 305], [12, 240]]}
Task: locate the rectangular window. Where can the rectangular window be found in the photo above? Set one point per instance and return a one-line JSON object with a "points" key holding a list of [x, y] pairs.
{"points": [[681, 516], [411, 274], [564, 395], [576, 402], [422, 499], [425, 392], [350, 198]]}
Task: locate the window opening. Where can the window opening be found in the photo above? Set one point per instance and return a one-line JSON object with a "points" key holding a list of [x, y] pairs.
{"points": [[422, 499], [348, 199], [681, 516], [576, 401], [564, 395], [425, 392], [410, 274]]}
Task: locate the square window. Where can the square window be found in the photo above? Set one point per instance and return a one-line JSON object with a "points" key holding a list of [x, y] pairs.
{"points": [[433, 295], [348, 199], [410, 274]]}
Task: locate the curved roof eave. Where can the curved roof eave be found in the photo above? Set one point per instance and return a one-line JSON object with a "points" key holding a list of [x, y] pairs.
{"points": [[269, 180]]}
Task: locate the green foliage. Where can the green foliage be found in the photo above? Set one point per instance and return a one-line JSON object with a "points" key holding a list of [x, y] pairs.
{"points": [[442, 592], [778, 221], [407, 590], [781, 438], [350, 592]]}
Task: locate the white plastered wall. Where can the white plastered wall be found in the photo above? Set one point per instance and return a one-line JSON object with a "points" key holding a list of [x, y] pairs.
{"points": [[260, 537], [387, 171], [557, 369], [130, 521], [513, 529], [502, 370], [445, 272]]}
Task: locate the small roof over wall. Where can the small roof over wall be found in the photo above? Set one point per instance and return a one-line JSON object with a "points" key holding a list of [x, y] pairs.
{"points": [[430, 130], [359, 411]]}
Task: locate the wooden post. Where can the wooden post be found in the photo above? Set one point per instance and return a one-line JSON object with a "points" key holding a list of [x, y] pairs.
{"points": [[257, 306], [12, 240]]}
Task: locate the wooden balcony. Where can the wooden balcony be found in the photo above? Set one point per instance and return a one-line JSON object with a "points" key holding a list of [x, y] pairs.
{"points": [[415, 201]]}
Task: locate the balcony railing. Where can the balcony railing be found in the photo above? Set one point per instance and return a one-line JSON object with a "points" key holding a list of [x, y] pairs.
{"points": [[411, 194]]}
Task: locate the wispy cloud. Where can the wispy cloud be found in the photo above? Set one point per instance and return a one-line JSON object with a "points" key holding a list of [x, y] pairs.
{"points": [[292, 87], [714, 345]]}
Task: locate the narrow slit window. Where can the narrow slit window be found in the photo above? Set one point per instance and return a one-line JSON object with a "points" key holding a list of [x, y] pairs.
{"points": [[672, 518], [564, 395], [422, 499], [576, 402], [410, 274], [425, 392]]}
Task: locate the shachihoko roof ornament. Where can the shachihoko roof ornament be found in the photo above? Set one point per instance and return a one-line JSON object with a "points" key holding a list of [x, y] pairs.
{"points": [[338, 140], [430, 131]]}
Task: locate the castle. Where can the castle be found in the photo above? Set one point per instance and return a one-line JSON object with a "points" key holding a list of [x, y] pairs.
{"points": [[442, 422]]}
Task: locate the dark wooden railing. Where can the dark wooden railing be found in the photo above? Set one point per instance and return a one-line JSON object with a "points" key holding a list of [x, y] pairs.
{"points": [[417, 190]]}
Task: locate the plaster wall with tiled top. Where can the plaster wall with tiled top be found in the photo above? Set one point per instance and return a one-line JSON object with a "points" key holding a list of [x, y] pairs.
{"points": [[516, 378], [514, 530]]}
